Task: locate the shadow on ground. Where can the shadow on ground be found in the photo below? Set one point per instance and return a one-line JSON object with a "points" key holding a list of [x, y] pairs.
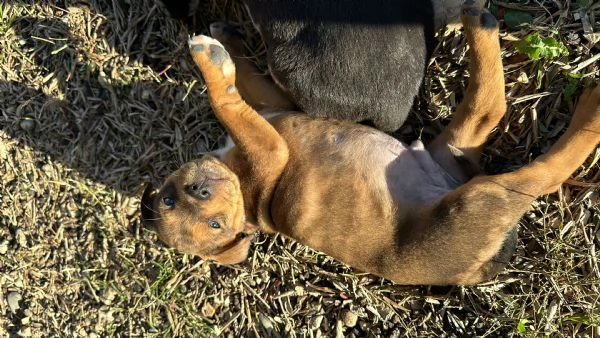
{"points": [[119, 101]]}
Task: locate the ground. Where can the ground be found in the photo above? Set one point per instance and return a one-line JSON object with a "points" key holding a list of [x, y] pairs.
{"points": [[99, 97]]}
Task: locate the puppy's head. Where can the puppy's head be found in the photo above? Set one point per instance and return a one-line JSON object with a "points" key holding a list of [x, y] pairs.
{"points": [[200, 210]]}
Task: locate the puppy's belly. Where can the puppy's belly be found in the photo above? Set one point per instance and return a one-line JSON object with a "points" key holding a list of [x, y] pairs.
{"points": [[413, 177], [345, 187]]}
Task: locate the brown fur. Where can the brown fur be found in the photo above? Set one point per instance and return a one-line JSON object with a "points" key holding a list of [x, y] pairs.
{"points": [[319, 180]]}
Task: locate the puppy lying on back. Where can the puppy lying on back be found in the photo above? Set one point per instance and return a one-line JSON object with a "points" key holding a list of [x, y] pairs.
{"points": [[354, 60], [408, 213]]}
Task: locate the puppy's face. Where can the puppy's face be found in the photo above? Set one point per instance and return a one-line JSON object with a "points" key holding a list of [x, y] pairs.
{"points": [[200, 210]]}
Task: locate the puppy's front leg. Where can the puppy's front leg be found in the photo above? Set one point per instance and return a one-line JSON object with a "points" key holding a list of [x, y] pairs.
{"points": [[256, 139], [261, 153]]}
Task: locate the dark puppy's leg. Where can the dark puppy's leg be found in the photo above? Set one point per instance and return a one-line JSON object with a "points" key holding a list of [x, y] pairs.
{"points": [[257, 89], [483, 104]]}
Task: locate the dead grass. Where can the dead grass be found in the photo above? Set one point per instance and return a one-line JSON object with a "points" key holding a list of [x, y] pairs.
{"points": [[98, 97]]}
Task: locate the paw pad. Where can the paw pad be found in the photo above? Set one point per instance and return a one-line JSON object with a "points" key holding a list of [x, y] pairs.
{"points": [[197, 48], [218, 54], [230, 89]]}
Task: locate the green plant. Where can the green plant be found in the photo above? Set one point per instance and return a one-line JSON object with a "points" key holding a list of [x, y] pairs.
{"points": [[537, 47]]}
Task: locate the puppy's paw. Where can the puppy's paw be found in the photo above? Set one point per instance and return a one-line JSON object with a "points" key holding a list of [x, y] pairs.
{"points": [[224, 31], [475, 17], [201, 44], [481, 30], [212, 59], [229, 36]]}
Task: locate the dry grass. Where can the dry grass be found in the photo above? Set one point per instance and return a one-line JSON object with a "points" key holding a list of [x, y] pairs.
{"points": [[98, 97]]}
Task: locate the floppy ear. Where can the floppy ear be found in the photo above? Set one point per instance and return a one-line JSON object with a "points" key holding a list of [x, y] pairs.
{"points": [[149, 215], [237, 250]]}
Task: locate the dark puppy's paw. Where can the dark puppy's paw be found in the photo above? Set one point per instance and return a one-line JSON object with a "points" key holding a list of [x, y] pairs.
{"points": [[224, 31], [230, 36]]}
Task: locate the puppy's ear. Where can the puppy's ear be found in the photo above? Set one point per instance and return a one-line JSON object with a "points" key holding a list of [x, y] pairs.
{"points": [[237, 250], [149, 215]]}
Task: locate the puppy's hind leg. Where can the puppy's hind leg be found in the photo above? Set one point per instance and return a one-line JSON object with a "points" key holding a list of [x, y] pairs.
{"points": [[257, 89], [483, 104], [467, 228]]}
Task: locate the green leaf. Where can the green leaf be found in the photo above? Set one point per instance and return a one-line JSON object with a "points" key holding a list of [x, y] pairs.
{"points": [[536, 47], [514, 19], [521, 326]]}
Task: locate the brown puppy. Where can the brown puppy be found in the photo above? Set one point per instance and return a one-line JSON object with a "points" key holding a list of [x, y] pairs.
{"points": [[355, 193]]}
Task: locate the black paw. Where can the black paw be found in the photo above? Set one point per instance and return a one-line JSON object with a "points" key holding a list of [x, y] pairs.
{"points": [[224, 31]]}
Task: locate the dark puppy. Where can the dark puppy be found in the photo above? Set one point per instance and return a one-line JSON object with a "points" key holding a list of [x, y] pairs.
{"points": [[354, 60]]}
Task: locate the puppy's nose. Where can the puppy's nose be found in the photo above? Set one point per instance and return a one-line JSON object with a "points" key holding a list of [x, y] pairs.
{"points": [[199, 190]]}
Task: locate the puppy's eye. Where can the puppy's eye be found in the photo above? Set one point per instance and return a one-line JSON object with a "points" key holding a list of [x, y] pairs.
{"points": [[213, 224], [168, 201]]}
